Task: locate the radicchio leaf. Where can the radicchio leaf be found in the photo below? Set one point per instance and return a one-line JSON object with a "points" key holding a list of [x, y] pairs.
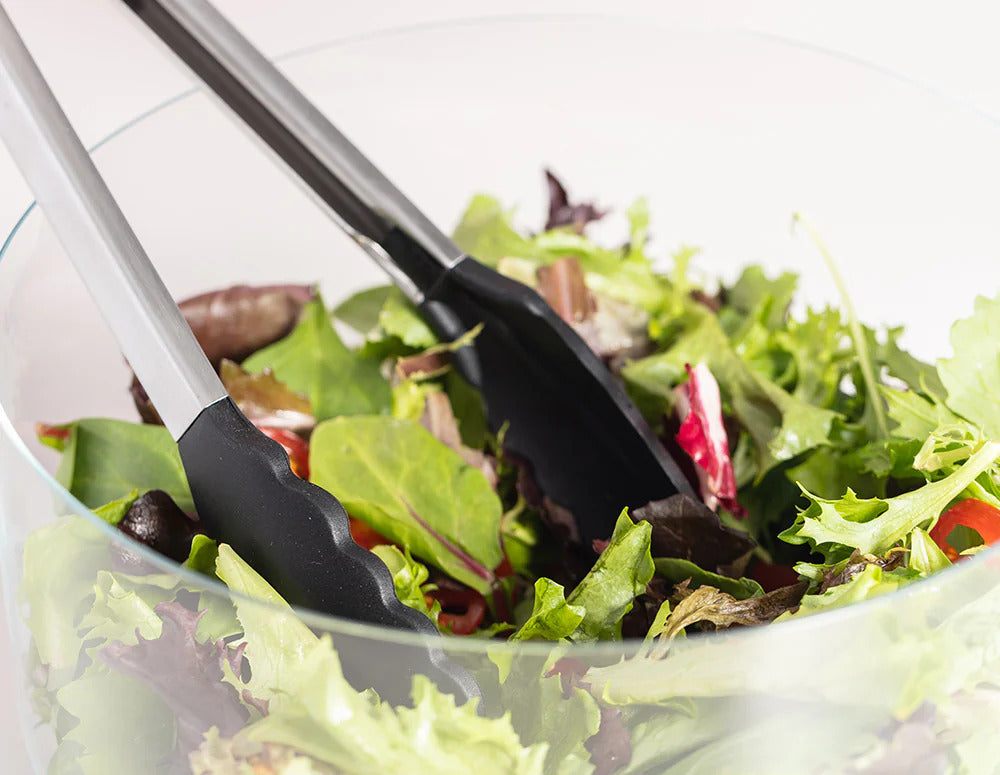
{"points": [[686, 528], [266, 401], [703, 436], [563, 213], [186, 674], [233, 323]]}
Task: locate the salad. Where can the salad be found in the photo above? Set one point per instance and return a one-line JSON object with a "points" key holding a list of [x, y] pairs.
{"points": [[831, 467]]}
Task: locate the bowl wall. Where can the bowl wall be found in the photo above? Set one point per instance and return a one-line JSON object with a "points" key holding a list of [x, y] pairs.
{"points": [[728, 135]]}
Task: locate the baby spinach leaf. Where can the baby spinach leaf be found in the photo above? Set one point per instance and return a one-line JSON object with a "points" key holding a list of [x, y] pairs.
{"points": [[314, 361], [103, 459], [395, 476]]}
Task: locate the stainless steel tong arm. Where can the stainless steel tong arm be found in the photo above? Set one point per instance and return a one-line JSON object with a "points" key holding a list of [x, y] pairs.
{"points": [[121, 279]]}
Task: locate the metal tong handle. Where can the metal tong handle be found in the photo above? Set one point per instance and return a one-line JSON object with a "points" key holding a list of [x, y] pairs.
{"points": [[363, 202], [121, 279]]}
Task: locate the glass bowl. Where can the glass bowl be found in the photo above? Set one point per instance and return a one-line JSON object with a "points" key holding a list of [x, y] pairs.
{"points": [[727, 134]]}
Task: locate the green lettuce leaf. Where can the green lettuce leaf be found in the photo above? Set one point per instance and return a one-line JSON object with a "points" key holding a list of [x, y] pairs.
{"points": [[925, 556], [361, 310], [675, 570], [609, 589], [330, 721], [277, 641], [552, 618], [780, 425], [486, 232], [314, 361], [61, 562], [546, 714], [409, 578], [102, 459], [396, 477], [871, 582], [97, 739], [874, 525], [972, 375]]}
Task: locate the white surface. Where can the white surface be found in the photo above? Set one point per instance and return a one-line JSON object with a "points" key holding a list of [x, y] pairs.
{"points": [[105, 70]]}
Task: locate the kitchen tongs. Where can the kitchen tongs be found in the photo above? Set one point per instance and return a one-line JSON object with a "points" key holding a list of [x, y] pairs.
{"points": [[591, 450], [294, 533]]}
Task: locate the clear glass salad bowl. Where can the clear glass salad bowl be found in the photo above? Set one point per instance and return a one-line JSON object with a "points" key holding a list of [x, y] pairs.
{"points": [[728, 134]]}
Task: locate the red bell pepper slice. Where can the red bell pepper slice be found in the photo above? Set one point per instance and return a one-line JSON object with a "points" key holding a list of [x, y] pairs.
{"points": [[972, 513]]}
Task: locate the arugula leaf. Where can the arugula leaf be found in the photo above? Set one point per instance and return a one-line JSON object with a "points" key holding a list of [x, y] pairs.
{"points": [[917, 417], [972, 375], [314, 361], [101, 459], [780, 425], [409, 578], [873, 418], [757, 295], [874, 525], [676, 570], [919, 376], [621, 572], [396, 477], [552, 618]]}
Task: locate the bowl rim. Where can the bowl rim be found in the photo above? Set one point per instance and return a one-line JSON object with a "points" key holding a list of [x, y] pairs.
{"points": [[834, 618]]}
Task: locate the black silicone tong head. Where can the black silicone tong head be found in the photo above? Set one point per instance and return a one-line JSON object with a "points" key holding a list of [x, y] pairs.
{"points": [[591, 450], [294, 533]]}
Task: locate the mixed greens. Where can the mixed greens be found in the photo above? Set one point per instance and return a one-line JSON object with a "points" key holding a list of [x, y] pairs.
{"points": [[832, 467]]}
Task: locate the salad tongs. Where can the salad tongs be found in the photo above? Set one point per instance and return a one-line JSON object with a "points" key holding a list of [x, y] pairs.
{"points": [[591, 450], [293, 532]]}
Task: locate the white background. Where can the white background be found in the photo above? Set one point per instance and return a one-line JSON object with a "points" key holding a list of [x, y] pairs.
{"points": [[105, 70]]}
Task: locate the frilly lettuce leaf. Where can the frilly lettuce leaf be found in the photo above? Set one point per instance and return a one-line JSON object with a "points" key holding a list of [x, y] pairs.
{"points": [[552, 618], [396, 477], [486, 233], [972, 375], [277, 641], [871, 582], [925, 556], [327, 719], [874, 525], [409, 578], [314, 361]]}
